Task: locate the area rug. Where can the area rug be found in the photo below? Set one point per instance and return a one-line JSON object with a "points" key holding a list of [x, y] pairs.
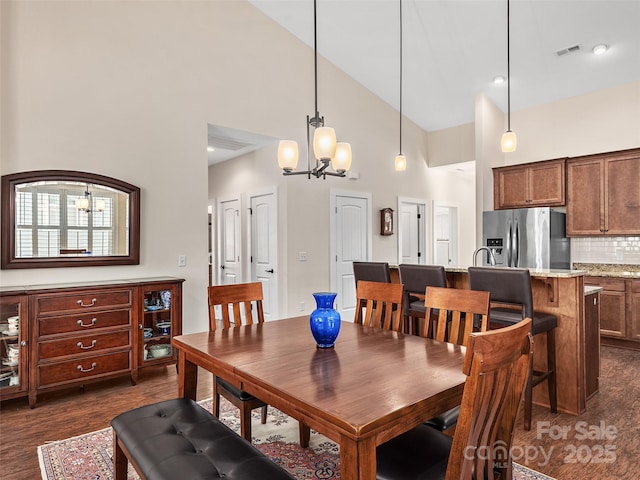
{"points": [[88, 456]]}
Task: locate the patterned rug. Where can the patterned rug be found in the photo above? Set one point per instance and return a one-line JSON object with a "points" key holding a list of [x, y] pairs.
{"points": [[88, 456]]}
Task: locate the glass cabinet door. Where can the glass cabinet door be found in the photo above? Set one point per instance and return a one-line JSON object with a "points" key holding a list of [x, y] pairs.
{"points": [[13, 345], [157, 325]]}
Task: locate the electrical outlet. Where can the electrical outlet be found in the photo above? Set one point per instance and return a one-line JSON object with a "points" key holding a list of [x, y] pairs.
{"points": [[302, 256], [302, 306], [182, 260]]}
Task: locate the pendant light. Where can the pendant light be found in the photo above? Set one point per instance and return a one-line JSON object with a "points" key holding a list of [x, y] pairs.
{"points": [[401, 160], [327, 150], [508, 142]]}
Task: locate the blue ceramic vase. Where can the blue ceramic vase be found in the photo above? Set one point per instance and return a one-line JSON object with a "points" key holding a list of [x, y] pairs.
{"points": [[325, 320]]}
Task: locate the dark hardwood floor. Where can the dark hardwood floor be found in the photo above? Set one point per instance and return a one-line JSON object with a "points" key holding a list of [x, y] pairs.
{"points": [[64, 414]]}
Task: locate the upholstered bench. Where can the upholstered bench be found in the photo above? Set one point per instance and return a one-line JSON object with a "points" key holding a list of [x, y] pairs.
{"points": [[180, 439]]}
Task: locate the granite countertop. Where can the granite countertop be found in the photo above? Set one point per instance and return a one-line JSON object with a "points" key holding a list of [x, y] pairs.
{"points": [[589, 289], [610, 270], [544, 273]]}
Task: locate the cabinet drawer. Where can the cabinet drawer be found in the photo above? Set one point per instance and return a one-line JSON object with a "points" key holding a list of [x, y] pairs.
{"points": [[83, 300], [614, 284], [85, 368], [86, 344], [83, 322]]}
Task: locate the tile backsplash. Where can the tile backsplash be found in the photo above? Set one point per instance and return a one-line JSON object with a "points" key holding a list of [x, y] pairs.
{"points": [[621, 250]]}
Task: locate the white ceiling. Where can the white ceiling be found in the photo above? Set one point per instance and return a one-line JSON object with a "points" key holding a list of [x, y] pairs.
{"points": [[452, 49]]}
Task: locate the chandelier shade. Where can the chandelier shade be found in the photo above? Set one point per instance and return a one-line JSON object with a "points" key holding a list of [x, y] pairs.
{"points": [[324, 143], [288, 155], [342, 158]]}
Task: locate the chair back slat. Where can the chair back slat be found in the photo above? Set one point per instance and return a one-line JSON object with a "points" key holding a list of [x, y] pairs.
{"points": [[497, 365], [457, 309], [236, 301], [382, 305]]}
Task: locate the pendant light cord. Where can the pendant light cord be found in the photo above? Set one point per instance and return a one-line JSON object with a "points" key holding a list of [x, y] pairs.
{"points": [[315, 59], [400, 2], [508, 71]]}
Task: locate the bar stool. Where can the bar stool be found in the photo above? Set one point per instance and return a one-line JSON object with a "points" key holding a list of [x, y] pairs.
{"points": [[371, 272], [512, 286], [416, 279]]}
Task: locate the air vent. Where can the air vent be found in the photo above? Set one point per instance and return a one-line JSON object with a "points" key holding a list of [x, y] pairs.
{"points": [[226, 142], [565, 51]]}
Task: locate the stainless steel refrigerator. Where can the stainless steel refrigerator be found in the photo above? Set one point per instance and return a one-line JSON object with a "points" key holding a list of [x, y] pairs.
{"points": [[526, 238]]}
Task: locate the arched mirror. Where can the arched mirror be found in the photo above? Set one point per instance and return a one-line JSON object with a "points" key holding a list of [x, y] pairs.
{"points": [[60, 218]]}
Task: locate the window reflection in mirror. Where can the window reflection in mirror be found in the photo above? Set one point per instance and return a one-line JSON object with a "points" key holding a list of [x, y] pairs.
{"points": [[67, 218]]}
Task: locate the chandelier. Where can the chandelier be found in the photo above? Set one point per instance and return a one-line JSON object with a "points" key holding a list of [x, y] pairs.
{"points": [[327, 150]]}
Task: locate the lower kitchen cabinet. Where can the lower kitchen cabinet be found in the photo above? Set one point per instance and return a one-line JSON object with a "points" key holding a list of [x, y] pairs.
{"points": [[74, 334], [619, 311]]}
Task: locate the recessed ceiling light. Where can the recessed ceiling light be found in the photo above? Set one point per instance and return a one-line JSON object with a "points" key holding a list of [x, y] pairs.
{"points": [[600, 49], [211, 149], [499, 79]]}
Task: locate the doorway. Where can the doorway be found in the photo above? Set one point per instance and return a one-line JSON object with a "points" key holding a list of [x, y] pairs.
{"points": [[445, 235], [263, 247], [412, 231], [229, 241], [351, 241]]}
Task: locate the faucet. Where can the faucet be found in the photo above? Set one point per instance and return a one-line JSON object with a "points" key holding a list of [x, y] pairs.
{"points": [[492, 258]]}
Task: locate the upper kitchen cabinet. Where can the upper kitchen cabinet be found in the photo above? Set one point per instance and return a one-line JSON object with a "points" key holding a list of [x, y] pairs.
{"points": [[603, 194], [539, 184]]}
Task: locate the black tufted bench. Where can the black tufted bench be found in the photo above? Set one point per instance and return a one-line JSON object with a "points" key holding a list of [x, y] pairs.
{"points": [[180, 439]]}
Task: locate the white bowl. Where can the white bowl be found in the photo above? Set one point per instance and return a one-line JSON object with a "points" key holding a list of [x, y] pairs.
{"points": [[160, 350]]}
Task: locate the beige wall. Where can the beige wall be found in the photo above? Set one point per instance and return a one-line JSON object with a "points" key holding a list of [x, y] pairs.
{"points": [[126, 89]]}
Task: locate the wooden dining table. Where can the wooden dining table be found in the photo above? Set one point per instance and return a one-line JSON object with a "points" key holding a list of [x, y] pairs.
{"points": [[373, 385]]}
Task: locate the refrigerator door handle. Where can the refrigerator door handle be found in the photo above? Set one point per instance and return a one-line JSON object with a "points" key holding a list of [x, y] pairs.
{"points": [[508, 248], [516, 245]]}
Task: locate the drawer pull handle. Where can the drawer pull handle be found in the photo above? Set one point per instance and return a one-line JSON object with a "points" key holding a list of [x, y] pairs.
{"points": [[93, 322], [81, 345], [82, 304], [93, 365]]}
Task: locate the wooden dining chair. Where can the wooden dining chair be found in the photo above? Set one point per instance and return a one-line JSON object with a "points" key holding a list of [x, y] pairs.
{"points": [[382, 305], [240, 304], [496, 364], [459, 312]]}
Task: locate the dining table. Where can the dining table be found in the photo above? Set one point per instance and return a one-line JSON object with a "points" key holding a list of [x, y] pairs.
{"points": [[372, 386]]}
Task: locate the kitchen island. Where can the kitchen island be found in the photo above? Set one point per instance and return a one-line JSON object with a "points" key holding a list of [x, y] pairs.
{"points": [[561, 293]]}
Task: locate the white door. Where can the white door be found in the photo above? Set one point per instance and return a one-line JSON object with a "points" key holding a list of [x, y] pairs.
{"points": [[351, 241], [445, 235], [412, 231], [229, 242], [264, 249]]}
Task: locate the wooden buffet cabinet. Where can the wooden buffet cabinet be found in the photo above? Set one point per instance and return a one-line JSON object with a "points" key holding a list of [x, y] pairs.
{"points": [[72, 334], [538, 184]]}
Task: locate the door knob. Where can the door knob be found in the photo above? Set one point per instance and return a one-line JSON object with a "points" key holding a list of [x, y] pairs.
{"points": [[269, 271]]}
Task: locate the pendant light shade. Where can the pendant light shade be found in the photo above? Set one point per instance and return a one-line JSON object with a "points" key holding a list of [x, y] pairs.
{"points": [[401, 163], [508, 142], [288, 155], [324, 143]]}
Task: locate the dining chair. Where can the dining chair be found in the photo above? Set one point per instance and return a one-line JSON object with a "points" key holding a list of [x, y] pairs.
{"points": [[416, 278], [459, 312], [240, 304], [512, 287], [382, 305], [496, 364]]}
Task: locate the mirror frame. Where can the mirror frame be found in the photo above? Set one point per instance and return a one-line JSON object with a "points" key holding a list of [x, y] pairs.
{"points": [[8, 185]]}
